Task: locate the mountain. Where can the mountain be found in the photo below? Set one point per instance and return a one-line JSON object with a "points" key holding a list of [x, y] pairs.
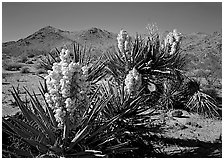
{"points": [[204, 57], [49, 37]]}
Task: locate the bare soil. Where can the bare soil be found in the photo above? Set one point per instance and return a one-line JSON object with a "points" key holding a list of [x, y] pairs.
{"points": [[18, 80]]}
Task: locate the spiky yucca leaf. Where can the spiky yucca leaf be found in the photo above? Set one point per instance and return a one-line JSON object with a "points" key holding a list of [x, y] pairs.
{"points": [[203, 104], [92, 137], [134, 120]]}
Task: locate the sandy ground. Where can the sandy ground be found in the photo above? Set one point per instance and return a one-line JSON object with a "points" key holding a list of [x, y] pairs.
{"points": [[190, 135], [18, 80]]}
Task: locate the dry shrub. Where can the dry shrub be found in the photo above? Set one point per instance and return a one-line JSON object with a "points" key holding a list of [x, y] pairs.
{"points": [[24, 70]]}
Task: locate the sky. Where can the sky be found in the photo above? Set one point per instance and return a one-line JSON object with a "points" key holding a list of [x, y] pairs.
{"points": [[21, 19]]}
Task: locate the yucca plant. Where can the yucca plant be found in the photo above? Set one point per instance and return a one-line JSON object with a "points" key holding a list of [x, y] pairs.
{"points": [[39, 131], [52, 135], [159, 66], [200, 102], [135, 122], [156, 62]]}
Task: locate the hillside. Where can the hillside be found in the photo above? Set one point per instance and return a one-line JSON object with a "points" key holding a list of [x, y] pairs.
{"points": [[49, 37], [204, 57]]}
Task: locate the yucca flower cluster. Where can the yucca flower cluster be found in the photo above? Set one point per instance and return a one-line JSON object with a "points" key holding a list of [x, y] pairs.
{"points": [[124, 42], [133, 81], [171, 41], [67, 88]]}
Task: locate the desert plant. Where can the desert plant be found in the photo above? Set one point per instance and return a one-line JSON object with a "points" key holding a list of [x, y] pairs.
{"points": [[11, 66], [25, 70], [23, 59], [147, 61], [41, 71], [31, 55], [200, 102], [157, 66], [39, 131], [52, 133], [29, 62]]}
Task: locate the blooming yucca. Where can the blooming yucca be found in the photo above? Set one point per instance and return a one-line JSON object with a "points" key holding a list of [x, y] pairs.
{"points": [[171, 41], [133, 81], [67, 88], [124, 42]]}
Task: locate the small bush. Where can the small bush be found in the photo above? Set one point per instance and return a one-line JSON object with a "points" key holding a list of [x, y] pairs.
{"points": [[41, 71], [38, 66], [23, 59], [31, 55], [29, 62], [24, 70], [11, 66]]}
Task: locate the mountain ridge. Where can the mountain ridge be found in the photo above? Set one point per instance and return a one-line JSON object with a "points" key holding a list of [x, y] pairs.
{"points": [[49, 37]]}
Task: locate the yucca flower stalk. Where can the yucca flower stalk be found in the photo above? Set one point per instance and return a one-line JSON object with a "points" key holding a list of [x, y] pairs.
{"points": [[67, 88]]}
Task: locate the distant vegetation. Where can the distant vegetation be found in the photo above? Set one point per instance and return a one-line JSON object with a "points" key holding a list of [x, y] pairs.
{"points": [[11, 66]]}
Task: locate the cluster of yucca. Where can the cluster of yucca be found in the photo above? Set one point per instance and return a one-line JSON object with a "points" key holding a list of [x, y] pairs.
{"points": [[156, 66], [88, 116]]}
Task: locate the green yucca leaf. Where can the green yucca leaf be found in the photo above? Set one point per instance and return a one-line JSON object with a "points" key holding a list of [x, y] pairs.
{"points": [[115, 147], [88, 154], [42, 123], [43, 88], [41, 147], [35, 132], [44, 128], [49, 110], [21, 105], [10, 153], [125, 149], [106, 137], [57, 52], [33, 117], [37, 106], [78, 137], [53, 57], [19, 152], [66, 130], [107, 124], [16, 130], [203, 104]]}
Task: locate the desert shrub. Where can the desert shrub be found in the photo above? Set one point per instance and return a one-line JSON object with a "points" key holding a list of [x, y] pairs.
{"points": [[29, 61], [11, 66], [23, 59], [41, 71], [37, 65], [24, 70], [31, 55]]}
